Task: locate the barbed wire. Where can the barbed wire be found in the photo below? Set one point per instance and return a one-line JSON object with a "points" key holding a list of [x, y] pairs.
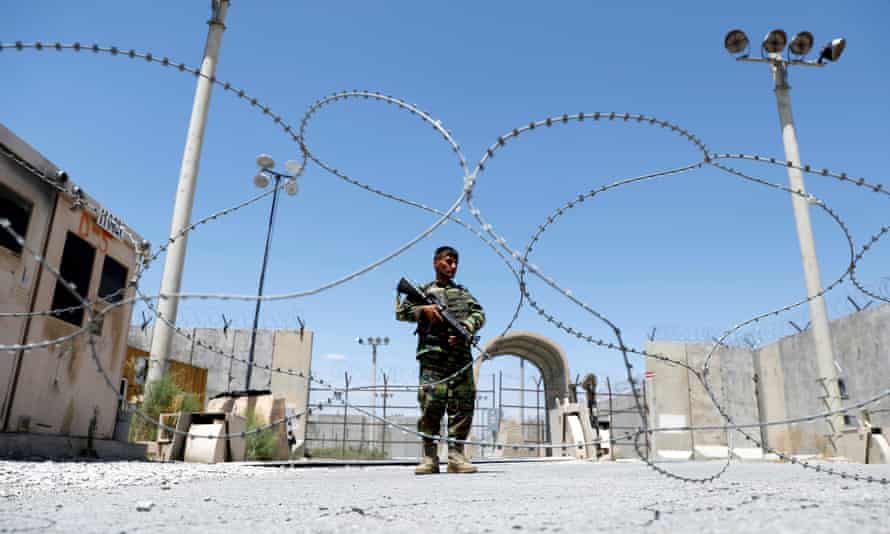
{"points": [[485, 232]]}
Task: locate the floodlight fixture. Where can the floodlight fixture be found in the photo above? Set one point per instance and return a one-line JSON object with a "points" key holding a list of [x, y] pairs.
{"points": [[775, 41], [293, 166], [290, 187], [801, 44], [736, 42], [265, 161], [261, 180], [360, 341], [833, 50]]}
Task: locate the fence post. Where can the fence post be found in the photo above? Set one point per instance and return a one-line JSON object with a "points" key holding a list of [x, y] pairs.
{"points": [[345, 412], [500, 401], [384, 426], [538, 412]]}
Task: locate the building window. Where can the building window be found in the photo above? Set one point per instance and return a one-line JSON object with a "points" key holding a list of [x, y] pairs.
{"points": [[76, 268], [114, 278], [18, 211]]}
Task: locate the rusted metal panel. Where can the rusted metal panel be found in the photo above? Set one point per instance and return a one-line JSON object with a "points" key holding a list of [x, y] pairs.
{"points": [[189, 378]]}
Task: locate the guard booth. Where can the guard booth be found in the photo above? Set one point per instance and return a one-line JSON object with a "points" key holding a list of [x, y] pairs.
{"points": [[58, 389]]}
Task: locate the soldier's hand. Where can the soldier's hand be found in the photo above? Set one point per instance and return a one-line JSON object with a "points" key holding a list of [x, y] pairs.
{"points": [[430, 312], [453, 341]]}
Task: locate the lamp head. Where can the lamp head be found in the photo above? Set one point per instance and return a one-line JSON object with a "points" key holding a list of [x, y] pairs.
{"points": [[261, 180], [265, 161], [294, 167], [833, 50], [360, 341], [801, 44], [775, 41], [290, 187], [736, 42]]}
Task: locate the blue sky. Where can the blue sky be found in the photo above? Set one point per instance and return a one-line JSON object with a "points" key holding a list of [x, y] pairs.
{"points": [[690, 255]]}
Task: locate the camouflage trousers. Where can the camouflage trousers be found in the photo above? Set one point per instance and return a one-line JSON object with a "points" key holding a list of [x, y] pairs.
{"points": [[456, 397]]}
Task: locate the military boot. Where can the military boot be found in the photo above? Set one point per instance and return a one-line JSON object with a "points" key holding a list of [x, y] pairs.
{"points": [[457, 462], [429, 464]]}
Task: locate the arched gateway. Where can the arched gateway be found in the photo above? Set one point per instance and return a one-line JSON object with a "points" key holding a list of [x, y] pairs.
{"points": [[548, 357]]}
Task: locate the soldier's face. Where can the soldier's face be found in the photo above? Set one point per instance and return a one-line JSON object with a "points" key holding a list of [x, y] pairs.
{"points": [[446, 266]]}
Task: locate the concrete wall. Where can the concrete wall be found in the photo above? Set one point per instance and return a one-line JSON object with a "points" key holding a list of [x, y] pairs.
{"points": [[777, 381], [284, 349]]}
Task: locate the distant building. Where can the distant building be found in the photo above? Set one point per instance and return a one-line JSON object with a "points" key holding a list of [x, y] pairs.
{"points": [[57, 389]]}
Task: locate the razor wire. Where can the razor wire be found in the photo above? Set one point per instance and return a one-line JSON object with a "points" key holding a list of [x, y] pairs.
{"points": [[469, 180]]}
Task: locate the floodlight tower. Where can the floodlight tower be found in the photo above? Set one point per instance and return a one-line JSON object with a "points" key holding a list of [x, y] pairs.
{"points": [[373, 342], [261, 180], [737, 44]]}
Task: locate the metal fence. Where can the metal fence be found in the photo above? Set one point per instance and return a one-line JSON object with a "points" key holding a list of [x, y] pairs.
{"points": [[334, 432]]}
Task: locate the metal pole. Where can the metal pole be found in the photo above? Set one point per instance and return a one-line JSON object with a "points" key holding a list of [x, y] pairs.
{"points": [[383, 432], [171, 280], [538, 412], [522, 398], [345, 412], [818, 314], [373, 386], [500, 397], [256, 313]]}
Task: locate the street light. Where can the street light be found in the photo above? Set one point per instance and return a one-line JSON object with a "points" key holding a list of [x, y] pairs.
{"points": [[373, 342], [261, 180], [801, 44]]}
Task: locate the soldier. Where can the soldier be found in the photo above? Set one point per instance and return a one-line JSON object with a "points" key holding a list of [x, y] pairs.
{"points": [[441, 353]]}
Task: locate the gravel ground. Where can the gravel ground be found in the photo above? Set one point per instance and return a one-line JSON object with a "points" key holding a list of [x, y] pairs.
{"points": [[539, 497]]}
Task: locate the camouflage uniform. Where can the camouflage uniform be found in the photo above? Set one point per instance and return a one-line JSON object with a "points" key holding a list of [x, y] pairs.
{"points": [[439, 360]]}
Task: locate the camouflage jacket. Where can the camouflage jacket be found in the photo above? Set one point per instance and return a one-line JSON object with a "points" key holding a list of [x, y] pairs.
{"points": [[459, 301]]}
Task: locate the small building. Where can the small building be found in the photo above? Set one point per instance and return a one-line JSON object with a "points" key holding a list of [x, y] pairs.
{"points": [[57, 389]]}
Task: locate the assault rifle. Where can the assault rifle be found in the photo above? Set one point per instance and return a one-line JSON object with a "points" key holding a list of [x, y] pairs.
{"points": [[416, 295]]}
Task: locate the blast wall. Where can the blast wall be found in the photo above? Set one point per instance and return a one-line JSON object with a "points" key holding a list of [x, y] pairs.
{"points": [[774, 382]]}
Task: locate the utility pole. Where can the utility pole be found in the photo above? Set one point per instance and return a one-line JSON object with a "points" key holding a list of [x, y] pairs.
{"points": [[171, 280], [373, 342]]}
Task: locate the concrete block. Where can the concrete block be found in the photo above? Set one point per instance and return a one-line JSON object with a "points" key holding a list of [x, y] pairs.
{"points": [[204, 450], [878, 450], [235, 424], [711, 452], [218, 366], [294, 352], [668, 454], [748, 453]]}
